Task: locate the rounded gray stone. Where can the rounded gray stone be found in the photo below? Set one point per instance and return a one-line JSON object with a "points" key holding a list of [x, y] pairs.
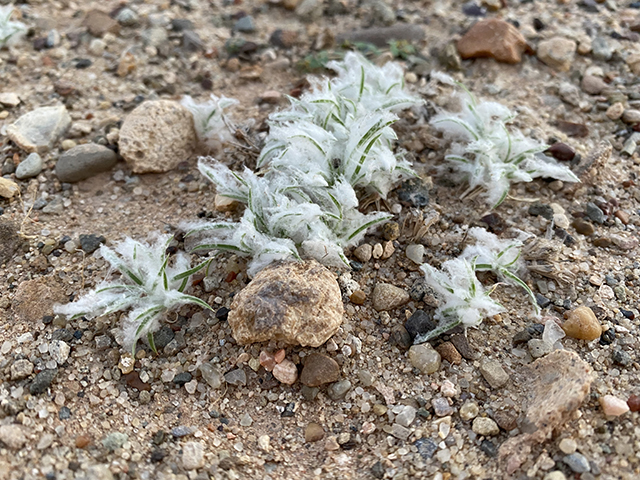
{"points": [[84, 161], [29, 167]]}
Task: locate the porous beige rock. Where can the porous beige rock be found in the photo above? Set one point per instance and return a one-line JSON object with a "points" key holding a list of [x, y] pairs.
{"points": [[493, 38], [557, 385], [157, 136], [35, 298], [297, 303]]}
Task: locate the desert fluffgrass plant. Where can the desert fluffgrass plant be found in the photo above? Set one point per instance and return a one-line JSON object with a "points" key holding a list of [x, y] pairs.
{"points": [[462, 298], [502, 257], [151, 283], [488, 153], [213, 126], [10, 30], [333, 141]]}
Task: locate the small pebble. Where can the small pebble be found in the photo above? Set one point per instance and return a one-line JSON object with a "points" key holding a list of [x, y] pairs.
{"points": [[582, 324], [441, 407], [364, 252], [469, 410], [449, 353], [338, 390], [406, 416], [568, 446], [485, 426], [577, 462], [391, 230], [286, 372], [494, 374], [424, 358], [387, 297], [313, 433], [415, 253], [634, 403], [613, 406]]}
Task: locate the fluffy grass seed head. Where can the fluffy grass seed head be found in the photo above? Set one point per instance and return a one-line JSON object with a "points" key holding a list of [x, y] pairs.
{"points": [[213, 127], [10, 30]]}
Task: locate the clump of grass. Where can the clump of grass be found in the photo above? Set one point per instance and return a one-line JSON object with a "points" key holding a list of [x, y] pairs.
{"points": [[150, 285], [488, 153], [10, 30], [333, 141]]}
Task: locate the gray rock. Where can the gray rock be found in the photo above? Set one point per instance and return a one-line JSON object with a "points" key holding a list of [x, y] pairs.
{"points": [[12, 436], [592, 85], [601, 49], [192, 455], [425, 358], [400, 432], [236, 377], [631, 116], [9, 99], [383, 12], [42, 380], [182, 431], [406, 416], [569, 93], [577, 462], [90, 243], [441, 407], [380, 37], [98, 472], [618, 356], [309, 10], [338, 390], [211, 375], [38, 130], [84, 161], [29, 167], [127, 17], [595, 213], [494, 374], [54, 206], [245, 24], [539, 348], [114, 440], [155, 37]]}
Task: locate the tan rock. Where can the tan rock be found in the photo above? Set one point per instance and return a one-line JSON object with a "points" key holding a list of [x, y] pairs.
{"points": [[157, 136], [313, 433], [35, 298], [8, 188], [286, 372], [613, 406], [13, 436], [298, 303], [557, 385], [581, 323], [493, 38], [387, 297], [614, 112], [98, 23], [557, 52]]}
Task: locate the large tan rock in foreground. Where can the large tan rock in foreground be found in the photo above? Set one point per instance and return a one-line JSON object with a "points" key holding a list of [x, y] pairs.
{"points": [[297, 303], [493, 38], [157, 136], [557, 385]]}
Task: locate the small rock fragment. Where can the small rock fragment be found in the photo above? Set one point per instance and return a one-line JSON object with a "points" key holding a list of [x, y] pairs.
{"points": [[494, 374], [8, 188], [557, 52], [21, 369], [441, 407], [338, 390], [236, 377], [363, 252], [449, 353], [29, 167], [318, 370], [313, 433], [582, 324], [387, 297], [469, 410], [12, 436], [577, 462], [485, 426], [192, 455], [493, 38], [613, 406], [425, 358], [286, 372]]}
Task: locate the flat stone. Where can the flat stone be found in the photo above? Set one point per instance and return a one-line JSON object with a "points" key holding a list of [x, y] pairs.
{"points": [[557, 52], [192, 455], [236, 377], [299, 303], [400, 432], [157, 136], [9, 99], [8, 188], [29, 167], [469, 411], [387, 297], [631, 116], [494, 374], [91, 242], [381, 36], [211, 375], [493, 38], [319, 369], [84, 161], [13, 436], [556, 384], [424, 358], [35, 298], [114, 440], [38, 130]]}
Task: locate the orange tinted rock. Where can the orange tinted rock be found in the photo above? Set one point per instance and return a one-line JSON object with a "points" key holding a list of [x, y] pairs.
{"points": [[582, 324], [493, 38]]}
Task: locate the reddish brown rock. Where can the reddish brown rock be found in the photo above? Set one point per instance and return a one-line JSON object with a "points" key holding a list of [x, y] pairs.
{"points": [[493, 38], [298, 303], [318, 370]]}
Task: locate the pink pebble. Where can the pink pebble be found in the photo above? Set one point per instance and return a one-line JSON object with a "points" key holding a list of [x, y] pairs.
{"points": [[286, 372], [613, 406]]}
